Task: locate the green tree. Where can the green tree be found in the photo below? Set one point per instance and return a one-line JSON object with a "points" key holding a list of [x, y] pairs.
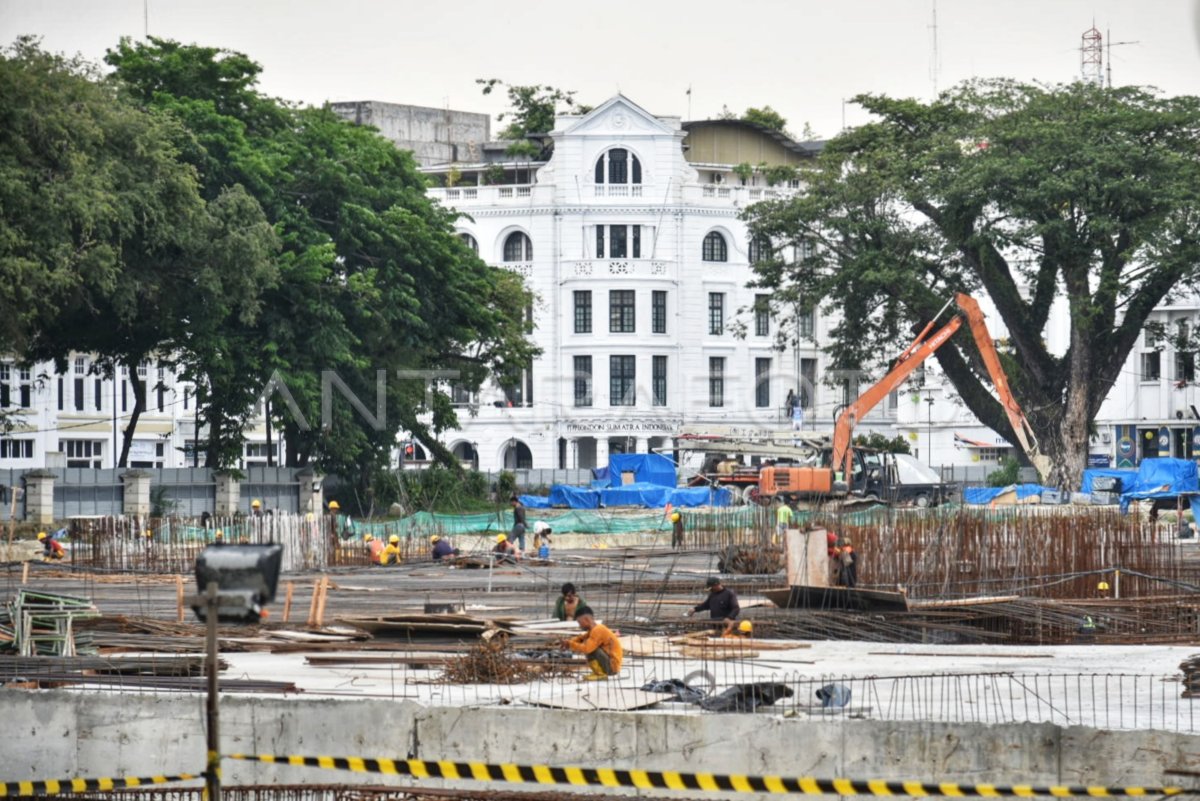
{"points": [[371, 274], [1024, 194], [766, 117], [879, 442], [532, 107], [149, 246]]}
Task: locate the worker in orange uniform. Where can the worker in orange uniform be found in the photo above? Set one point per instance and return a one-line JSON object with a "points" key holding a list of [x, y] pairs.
{"points": [[391, 554], [374, 547], [598, 644], [51, 548]]}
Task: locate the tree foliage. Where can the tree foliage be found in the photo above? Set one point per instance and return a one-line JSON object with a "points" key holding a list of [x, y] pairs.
{"points": [[766, 117], [107, 245], [371, 274], [533, 107], [1071, 200], [881, 442]]}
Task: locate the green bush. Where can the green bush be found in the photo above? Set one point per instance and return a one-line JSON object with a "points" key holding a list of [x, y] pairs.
{"points": [[440, 489], [506, 486], [1006, 474]]}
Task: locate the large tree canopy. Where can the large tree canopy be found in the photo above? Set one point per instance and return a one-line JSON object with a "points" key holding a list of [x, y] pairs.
{"points": [[372, 275], [1023, 194]]}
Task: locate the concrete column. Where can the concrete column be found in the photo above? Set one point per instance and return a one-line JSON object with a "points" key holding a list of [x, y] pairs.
{"points": [[641, 445], [137, 492], [807, 558], [229, 495], [312, 493], [39, 496], [601, 450]]}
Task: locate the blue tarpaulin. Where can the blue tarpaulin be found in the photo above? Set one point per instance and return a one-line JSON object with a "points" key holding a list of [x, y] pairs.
{"points": [[701, 496], [574, 497], [536, 501], [1161, 478], [981, 496], [1126, 477], [647, 468]]}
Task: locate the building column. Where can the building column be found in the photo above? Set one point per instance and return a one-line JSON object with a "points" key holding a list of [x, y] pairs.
{"points": [[641, 445], [601, 450], [312, 493], [39, 496], [229, 495], [137, 492]]}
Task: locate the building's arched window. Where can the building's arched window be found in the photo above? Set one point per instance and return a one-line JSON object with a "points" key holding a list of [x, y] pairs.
{"points": [[517, 247], [517, 456], [470, 241], [715, 248], [618, 166], [760, 249]]}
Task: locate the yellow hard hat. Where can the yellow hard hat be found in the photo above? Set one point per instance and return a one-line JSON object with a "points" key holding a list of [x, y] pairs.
{"points": [[1102, 586], [41, 535], [148, 534], [393, 539], [255, 503], [220, 534], [501, 538], [334, 505], [368, 537], [674, 517], [434, 538], [746, 627]]}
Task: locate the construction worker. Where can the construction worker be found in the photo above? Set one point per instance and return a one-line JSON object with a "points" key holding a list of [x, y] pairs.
{"points": [[218, 537], [744, 629], [676, 530], [783, 516], [847, 561], [256, 507], [334, 506], [1102, 589], [541, 536], [374, 547], [569, 603], [505, 551], [598, 644], [519, 524], [51, 548], [391, 554], [721, 604], [441, 547]]}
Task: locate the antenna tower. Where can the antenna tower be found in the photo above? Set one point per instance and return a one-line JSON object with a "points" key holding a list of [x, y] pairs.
{"points": [[1091, 57], [933, 56]]}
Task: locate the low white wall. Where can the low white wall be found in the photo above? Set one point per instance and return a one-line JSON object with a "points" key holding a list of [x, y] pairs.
{"points": [[59, 733]]}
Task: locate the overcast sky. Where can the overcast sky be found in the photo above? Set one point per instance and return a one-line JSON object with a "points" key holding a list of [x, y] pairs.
{"points": [[800, 56]]}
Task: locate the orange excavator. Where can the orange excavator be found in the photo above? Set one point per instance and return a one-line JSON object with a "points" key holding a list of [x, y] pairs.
{"points": [[833, 480]]}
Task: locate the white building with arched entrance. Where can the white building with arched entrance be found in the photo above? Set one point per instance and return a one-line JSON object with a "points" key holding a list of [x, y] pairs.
{"points": [[630, 239]]}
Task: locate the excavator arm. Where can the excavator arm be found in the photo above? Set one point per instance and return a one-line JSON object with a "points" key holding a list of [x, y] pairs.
{"points": [[921, 349], [1016, 418], [914, 354]]}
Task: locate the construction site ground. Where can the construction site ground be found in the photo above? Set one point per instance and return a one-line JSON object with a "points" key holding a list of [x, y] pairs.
{"points": [[643, 593]]}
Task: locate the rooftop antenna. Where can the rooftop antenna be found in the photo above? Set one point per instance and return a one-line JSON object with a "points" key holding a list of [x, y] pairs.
{"points": [[1091, 57], [1109, 45], [933, 58], [146, 18]]}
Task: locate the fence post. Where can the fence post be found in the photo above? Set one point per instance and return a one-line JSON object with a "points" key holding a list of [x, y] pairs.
{"points": [[137, 493], [39, 496], [229, 495]]}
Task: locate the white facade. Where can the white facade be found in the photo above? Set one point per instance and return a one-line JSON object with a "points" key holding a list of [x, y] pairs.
{"points": [[684, 361]]}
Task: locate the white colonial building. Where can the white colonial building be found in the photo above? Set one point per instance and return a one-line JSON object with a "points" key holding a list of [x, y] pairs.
{"points": [[630, 239]]}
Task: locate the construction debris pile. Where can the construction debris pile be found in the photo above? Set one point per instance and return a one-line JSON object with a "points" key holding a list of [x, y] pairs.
{"points": [[1191, 676], [493, 661]]}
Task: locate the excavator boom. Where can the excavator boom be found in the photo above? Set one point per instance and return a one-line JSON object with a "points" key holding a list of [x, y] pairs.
{"points": [[910, 358]]}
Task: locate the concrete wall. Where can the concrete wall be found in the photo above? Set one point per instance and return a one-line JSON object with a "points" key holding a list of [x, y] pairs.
{"points": [[435, 135], [56, 734]]}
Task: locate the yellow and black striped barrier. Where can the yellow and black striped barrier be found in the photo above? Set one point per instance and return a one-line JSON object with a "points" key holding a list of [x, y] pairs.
{"points": [[672, 780], [55, 786]]}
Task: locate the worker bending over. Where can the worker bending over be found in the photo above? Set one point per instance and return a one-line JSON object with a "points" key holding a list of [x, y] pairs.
{"points": [[505, 551], [721, 604], [569, 603], [598, 644], [442, 547], [391, 554], [51, 547], [374, 547]]}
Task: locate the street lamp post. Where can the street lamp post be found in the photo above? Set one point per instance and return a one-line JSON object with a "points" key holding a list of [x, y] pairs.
{"points": [[929, 430]]}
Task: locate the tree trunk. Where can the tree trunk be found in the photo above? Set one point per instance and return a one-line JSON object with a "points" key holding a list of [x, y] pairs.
{"points": [[139, 406]]}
